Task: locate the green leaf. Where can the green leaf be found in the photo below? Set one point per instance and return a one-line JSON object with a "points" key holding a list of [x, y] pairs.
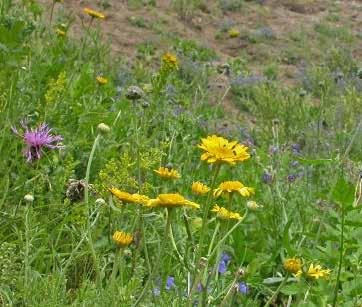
{"points": [[343, 192], [314, 161]]}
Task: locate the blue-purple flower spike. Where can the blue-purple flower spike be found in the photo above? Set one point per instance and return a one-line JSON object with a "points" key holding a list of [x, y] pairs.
{"points": [[170, 283], [224, 261], [243, 288], [36, 139]]}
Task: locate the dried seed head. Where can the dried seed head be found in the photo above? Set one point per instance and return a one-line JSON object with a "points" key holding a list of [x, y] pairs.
{"points": [[134, 93], [100, 202]]}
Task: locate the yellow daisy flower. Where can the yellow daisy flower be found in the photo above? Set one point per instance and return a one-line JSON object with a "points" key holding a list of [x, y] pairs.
{"points": [[234, 33], [60, 32], [199, 188], [293, 265], [172, 201], [101, 80], [167, 173], [227, 187], [93, 14], [317, 271], [129, 198], [122, 238], [219, 150], [170, 60], [225, 214]]}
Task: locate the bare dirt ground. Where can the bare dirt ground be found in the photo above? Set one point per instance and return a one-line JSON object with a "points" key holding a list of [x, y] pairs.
{"points": [[281, 16], [284, 18]]}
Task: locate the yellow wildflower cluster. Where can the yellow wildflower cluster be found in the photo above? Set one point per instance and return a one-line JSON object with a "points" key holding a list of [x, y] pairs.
{"points": [[199, 188], [129, 198], [101, 80], [167, 173], [169, 62], [56, 88], [93, 13], [122, 238], [293, 265], [228, 187], [315, 272], [225, 214]]}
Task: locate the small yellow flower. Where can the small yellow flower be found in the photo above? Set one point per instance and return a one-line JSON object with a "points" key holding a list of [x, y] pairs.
{"points": [[199, 188], [225, 214], [227, 187], [167, 173], [93, 14], [122, 238], [60, 32], [253, 205], [234, 33], [101, 80], [317, 271], [172, 201], [129, 198], [293, 265], [170, 60], [219, 150]]}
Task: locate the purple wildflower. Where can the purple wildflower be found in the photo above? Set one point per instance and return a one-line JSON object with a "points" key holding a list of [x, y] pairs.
{"points": [[273, 150], [296, 149], [224, 261], [267, 178], [170, 283], [294, 163], [199, 287], [243, 288], [36, 139], [292, 178]]}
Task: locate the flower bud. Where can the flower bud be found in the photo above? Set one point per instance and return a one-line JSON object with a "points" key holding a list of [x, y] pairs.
{"points": [[252, 205], [29, 198], [103, 128], [134, 93], [100, 201]]}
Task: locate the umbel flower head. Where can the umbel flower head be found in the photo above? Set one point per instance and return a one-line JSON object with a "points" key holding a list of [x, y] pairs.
{"points": [[293, 265], [93, 13], [167, 173], [122, 238], [227, 187], [224, 214], [314, 272], [219, 150], [101, 80], [129, 198], [37, 139], [172, 201], [199, 188]]}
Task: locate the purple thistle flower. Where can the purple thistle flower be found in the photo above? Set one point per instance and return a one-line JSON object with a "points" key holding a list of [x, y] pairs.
{"points": [[224, 261], [170, 283], [243, 288], [36, 139]]}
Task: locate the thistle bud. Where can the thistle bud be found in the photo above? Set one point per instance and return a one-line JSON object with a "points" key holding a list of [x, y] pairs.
{"points": [[103, 128], [29, 198]]}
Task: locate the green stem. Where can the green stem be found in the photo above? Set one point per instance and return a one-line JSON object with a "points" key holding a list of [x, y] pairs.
{"points": [[115, 267], [158, 264], [86, 200], [272, 298], [206, 212], [340, 259]]}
